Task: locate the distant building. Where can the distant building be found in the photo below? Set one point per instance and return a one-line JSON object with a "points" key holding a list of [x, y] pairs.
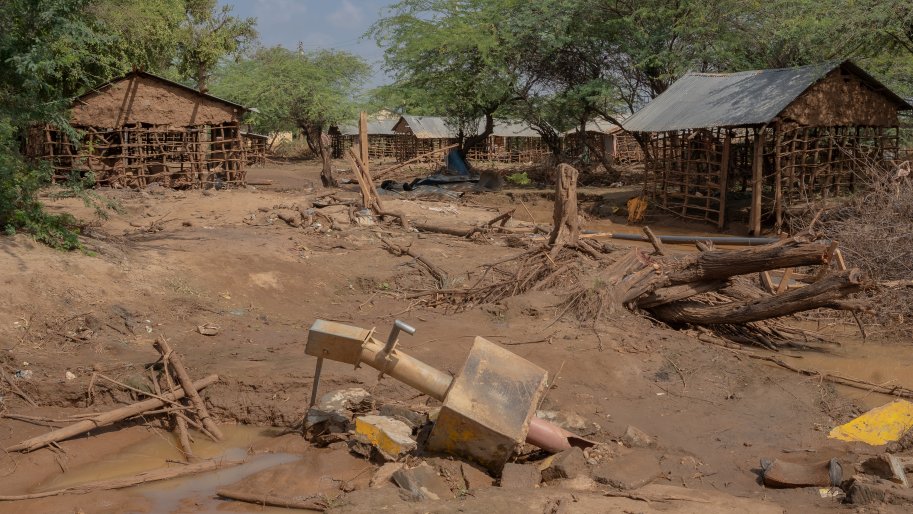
{"points": [[617, 144]]}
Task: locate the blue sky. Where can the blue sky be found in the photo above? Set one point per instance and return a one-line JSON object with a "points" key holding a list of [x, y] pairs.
{"points": [[317, 24]]}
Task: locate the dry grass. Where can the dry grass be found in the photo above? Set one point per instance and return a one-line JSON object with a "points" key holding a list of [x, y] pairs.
{"points": [[875, 231]]}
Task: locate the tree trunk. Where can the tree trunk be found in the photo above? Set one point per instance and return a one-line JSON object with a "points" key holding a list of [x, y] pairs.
{"points": [[827, 292], [471, 141], [314, 135], [565, 229]]}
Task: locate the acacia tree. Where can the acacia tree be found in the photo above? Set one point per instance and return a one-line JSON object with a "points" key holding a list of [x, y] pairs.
{"points": [[307, 90], [207, 35], [451, 58]]}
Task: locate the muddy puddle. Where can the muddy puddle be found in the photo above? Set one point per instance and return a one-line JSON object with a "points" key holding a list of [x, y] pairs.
{"points": [[175, 495], [884, 364]]}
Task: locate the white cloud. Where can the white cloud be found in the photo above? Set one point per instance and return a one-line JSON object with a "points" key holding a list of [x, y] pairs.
{"points": [[347, 16]]}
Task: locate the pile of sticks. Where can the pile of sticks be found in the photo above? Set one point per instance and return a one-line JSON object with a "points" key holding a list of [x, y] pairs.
{"points": [[180, 400]]}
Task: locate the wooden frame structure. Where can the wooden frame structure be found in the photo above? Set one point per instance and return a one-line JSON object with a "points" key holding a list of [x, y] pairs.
{"points": [[620, 145], [140, 129], [708, 142]]}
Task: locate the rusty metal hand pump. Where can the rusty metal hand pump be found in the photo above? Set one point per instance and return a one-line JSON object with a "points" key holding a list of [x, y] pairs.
{"points": [[488, 408]]}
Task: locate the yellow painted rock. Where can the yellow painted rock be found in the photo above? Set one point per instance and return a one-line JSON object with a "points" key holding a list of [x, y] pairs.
{"points": [[878, 426], [391, 436]]}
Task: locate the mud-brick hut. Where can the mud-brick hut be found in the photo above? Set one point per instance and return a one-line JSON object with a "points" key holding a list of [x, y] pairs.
{"points": [[787, 136], [382, 140], [618, 145], [141, 128]]}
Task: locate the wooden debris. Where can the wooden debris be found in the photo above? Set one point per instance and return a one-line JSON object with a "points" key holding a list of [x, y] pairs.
{"points": [[107, 418], [140, 478], [413, 160], [187, 384], [565, 228], [658, 248], [19, 392], [317, 503]]}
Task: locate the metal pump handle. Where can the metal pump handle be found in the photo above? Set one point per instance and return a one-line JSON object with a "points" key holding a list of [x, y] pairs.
{"points": [[398, 326]]}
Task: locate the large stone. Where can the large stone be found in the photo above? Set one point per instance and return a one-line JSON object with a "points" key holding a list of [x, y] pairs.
{"points": [[570, 463], [333, 412], [629, 471], [391, 437], [422, 483], [520, 476]]}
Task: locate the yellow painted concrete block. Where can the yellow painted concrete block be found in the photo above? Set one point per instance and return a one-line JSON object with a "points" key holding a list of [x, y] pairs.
{"points": [[878, 426], [391, 436]]}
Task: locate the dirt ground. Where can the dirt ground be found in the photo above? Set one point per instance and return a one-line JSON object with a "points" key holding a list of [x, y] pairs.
{"points": [[175, 260]]}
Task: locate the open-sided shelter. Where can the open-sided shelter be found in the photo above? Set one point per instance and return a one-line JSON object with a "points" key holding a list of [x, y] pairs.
{"points": [[383, 142], [604, 136], [141, 128], [509, 141], [788, 135]]}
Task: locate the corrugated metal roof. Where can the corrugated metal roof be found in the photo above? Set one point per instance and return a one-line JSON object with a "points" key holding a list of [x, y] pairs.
{"points": [[702, 100], [434, 127], [597, 125], [375, 128], [429, 127]]}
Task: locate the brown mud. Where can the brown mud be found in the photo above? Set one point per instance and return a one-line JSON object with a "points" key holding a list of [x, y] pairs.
{"points": [[174, 260]]}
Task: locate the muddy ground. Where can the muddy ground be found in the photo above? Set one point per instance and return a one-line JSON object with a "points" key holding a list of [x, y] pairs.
{"points": [[174, 260]]}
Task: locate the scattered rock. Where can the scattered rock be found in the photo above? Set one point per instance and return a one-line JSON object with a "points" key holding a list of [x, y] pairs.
{"points": [[333, 412], [24, 374], [864, 490], [475, 478], [581, 483], [520, 476], [568, 464], [384, 475], [886, 466], [422, 483], [629, 471], [567, 420], [187, 223], [209, 329], [637, 438], [391, 437], [404, 414], [292, 218], [70, 375]]}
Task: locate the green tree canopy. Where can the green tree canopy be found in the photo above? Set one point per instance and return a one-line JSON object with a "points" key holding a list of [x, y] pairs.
{"points": [[209, 34], [308, 90]]}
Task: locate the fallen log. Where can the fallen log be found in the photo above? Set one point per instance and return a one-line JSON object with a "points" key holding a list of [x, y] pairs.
{"points": [[107, 418], [679, 292], [269, 500], [140, 478], [828, 292], [719, 264]]}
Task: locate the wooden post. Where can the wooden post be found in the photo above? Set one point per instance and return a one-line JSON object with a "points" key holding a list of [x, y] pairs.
{"points": [[757, 182], [778, 187], [724, 178], [363, 139], [565, 228]]}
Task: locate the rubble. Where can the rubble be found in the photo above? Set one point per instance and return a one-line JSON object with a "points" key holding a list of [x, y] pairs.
{"points": [[520, 476], [391, 437], [422, 483], [637, 438], [567, 464], [629, 471], [881, 425], [384, 475], [333, 412], [780, 473]]}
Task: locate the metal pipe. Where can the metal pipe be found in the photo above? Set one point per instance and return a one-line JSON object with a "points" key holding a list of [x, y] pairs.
{"points": [[406, 369], [547, 436], [678, 239]]}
